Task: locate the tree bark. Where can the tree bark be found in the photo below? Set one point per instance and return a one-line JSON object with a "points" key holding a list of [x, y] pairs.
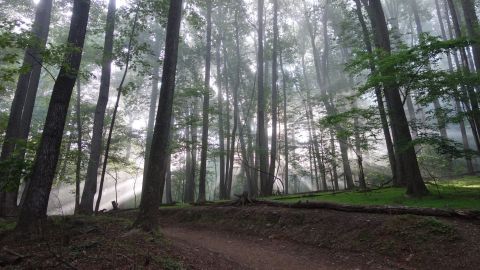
{"points": [[474, 112], [236, 109], [273, 145], [90, 187], [79, 146], [34, 210], [285, 123], [168, 182], [191, 173], [408, 165], [262, 147], [221, 132], [188, 190], [471, 22], [321, 66], [206, 107], [155, 179], [379, 96], [458, 106], [153, 99], [115, 111], [18, 125]]}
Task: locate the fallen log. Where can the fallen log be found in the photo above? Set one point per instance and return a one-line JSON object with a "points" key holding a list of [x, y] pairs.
{"points": [[391, 210]]}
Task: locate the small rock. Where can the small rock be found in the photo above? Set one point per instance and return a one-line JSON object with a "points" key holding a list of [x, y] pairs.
{"points": [[409, 258]]}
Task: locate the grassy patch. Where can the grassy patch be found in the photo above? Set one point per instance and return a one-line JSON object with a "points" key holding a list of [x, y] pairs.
{"points": [[452, 194], [171, 264], [7, 225]]}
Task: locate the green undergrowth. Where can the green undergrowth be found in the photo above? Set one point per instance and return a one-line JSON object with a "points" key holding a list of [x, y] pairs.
{"points": [[7, 225], [461, 193]]}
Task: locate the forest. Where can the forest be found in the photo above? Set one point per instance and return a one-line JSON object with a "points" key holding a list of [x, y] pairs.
{"points": [[208, 134]]}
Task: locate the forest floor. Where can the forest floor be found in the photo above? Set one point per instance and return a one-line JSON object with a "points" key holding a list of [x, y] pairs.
{"points": [[250, 237]]}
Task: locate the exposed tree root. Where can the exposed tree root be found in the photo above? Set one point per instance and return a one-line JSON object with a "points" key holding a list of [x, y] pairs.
{"points": [[243, 200]]}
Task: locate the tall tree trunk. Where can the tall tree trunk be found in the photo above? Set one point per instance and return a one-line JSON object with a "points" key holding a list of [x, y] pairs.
{"points": [[188, 190], [379, 96], [155, 179], [472, 25], [191, 174], [34, 210], [90, 187], [436, 102], [273, 145], [206, 107], [153, 99], [168, 181], [79, 146], [311, 129], [458, 107], [115, 111], [221, 132], [407, 157], [474, 112], [262, 147], [321, 66], [236, 110], [285, 123], [227, 118], [18, 126], [334, 163]]}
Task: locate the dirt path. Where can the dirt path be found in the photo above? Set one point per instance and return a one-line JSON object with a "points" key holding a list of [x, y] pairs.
{"points": [[247, 252]]}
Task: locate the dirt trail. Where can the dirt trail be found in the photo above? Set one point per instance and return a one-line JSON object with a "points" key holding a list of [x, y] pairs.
{"points": [[246, 252]]}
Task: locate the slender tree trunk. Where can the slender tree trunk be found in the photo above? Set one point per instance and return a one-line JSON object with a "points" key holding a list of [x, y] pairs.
{"points": [[407, 157], [90, 187], [34, 210], [436, 102], [472, 25], [273, 145], [458, 107], [191, 174], [321, 66], [128, 150], [79, 146], [153, 99], [168, 181], [188, 191], [379, 96], [474, 113], [115, 111], [311, 129], [285, 123], [221, 132], [236, 117], [206, 107], [227, 118], [18, 125], [334, 163], [155, 180], [262, 147]]}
